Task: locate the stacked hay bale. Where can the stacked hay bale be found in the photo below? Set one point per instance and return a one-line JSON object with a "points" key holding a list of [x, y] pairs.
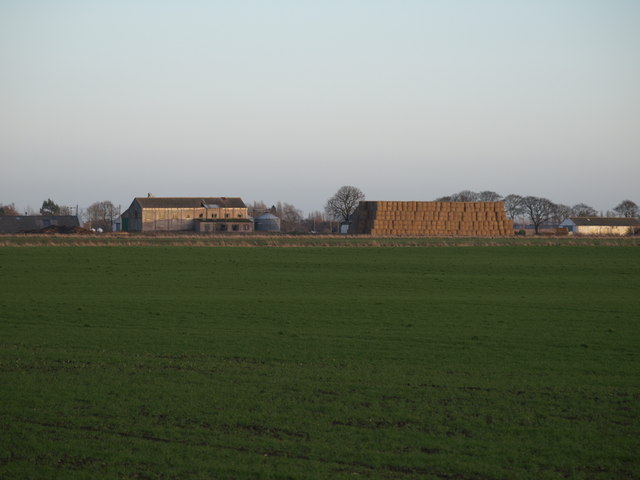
{"points": [[467, 219]]}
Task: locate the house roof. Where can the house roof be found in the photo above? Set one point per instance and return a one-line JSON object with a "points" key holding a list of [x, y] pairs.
{"points": [[25, 223], [190, 202], [605, 221]]}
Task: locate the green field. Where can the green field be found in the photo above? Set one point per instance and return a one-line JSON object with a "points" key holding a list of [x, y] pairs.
{"points": [[510, 362]]}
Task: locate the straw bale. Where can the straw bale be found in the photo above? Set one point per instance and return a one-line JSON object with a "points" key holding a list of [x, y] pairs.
{"points": [[433, 218]]}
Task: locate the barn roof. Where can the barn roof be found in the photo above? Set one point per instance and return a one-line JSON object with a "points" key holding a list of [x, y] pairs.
{"points": [[190, 202], [605, 221]]}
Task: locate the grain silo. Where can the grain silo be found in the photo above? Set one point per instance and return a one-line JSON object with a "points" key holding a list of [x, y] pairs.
{"points": [[267, 222]]}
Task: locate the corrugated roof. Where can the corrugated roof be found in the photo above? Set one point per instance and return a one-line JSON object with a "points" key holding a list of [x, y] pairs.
{"points": [[605, 221], [189, 202]]}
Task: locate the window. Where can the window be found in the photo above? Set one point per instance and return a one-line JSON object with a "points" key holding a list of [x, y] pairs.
{"points": [[245, 227], [239, 215], [226, 215], [223, 228], [201, 215], [235, 227]]}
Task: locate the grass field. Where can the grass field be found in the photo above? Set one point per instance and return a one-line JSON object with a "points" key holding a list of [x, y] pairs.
{"points": [[517, 362]]}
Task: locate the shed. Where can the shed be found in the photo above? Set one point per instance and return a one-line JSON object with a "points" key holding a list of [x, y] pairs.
{"points": [[28, 223]]}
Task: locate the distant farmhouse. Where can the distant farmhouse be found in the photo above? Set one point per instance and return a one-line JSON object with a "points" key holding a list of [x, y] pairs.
{"points": [[30, 223], [460, 219], [197, 214], [601, 225]]}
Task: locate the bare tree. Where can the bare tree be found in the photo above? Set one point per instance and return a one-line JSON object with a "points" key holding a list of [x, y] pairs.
{"points": [[257, 209], [318, 222], [65, 210], [538, 209], [8, 210], [470, 196], [101, 215], [583, 210], [489, 196], [627, 208], [560, 213], [344, 202], [465, 196], [290, 217], [513, 205]]}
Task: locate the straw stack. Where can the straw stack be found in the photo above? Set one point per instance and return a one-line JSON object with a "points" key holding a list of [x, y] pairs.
{"points": [[466, 219]]}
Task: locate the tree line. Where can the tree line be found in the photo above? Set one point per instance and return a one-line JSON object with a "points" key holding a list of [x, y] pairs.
{"points": [[541, 210], [341, 206]]}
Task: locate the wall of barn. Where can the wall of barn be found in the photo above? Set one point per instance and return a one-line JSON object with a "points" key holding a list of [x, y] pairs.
{"points": [[133, 219], [224, 227], [222, 213], [169, 219], [602, 230], [180, 219]]}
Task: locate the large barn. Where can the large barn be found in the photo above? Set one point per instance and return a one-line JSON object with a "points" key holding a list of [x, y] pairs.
{"points": [[197, 214], [469, 219]]}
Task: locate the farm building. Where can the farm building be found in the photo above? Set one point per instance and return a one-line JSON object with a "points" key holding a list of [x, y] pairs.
{"points": [[172, 214], [601, 225], [28, 223], [267, 222], [470, 219]]}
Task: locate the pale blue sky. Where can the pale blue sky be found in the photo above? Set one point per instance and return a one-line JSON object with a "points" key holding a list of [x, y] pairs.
{"points": [[289, 100]]}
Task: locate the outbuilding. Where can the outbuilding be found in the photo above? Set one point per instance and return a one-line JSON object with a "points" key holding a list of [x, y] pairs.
{"points": [[30, 223], [267, 222], [601, 225]]}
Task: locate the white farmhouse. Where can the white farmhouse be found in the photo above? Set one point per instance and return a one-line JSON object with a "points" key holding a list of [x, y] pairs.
{"points": [[601, 225]]}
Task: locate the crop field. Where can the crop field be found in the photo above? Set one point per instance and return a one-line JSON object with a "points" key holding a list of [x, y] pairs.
{"points": [[455, 363]]}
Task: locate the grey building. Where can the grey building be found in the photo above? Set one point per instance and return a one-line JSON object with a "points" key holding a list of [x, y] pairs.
{"points": [[28, 223]]}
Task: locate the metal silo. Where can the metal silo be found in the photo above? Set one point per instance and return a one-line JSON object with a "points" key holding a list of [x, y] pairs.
{"points": [[267, 223]]}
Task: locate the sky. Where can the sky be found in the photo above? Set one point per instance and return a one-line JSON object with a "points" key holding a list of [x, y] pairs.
{"points": [[289, 100]]}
